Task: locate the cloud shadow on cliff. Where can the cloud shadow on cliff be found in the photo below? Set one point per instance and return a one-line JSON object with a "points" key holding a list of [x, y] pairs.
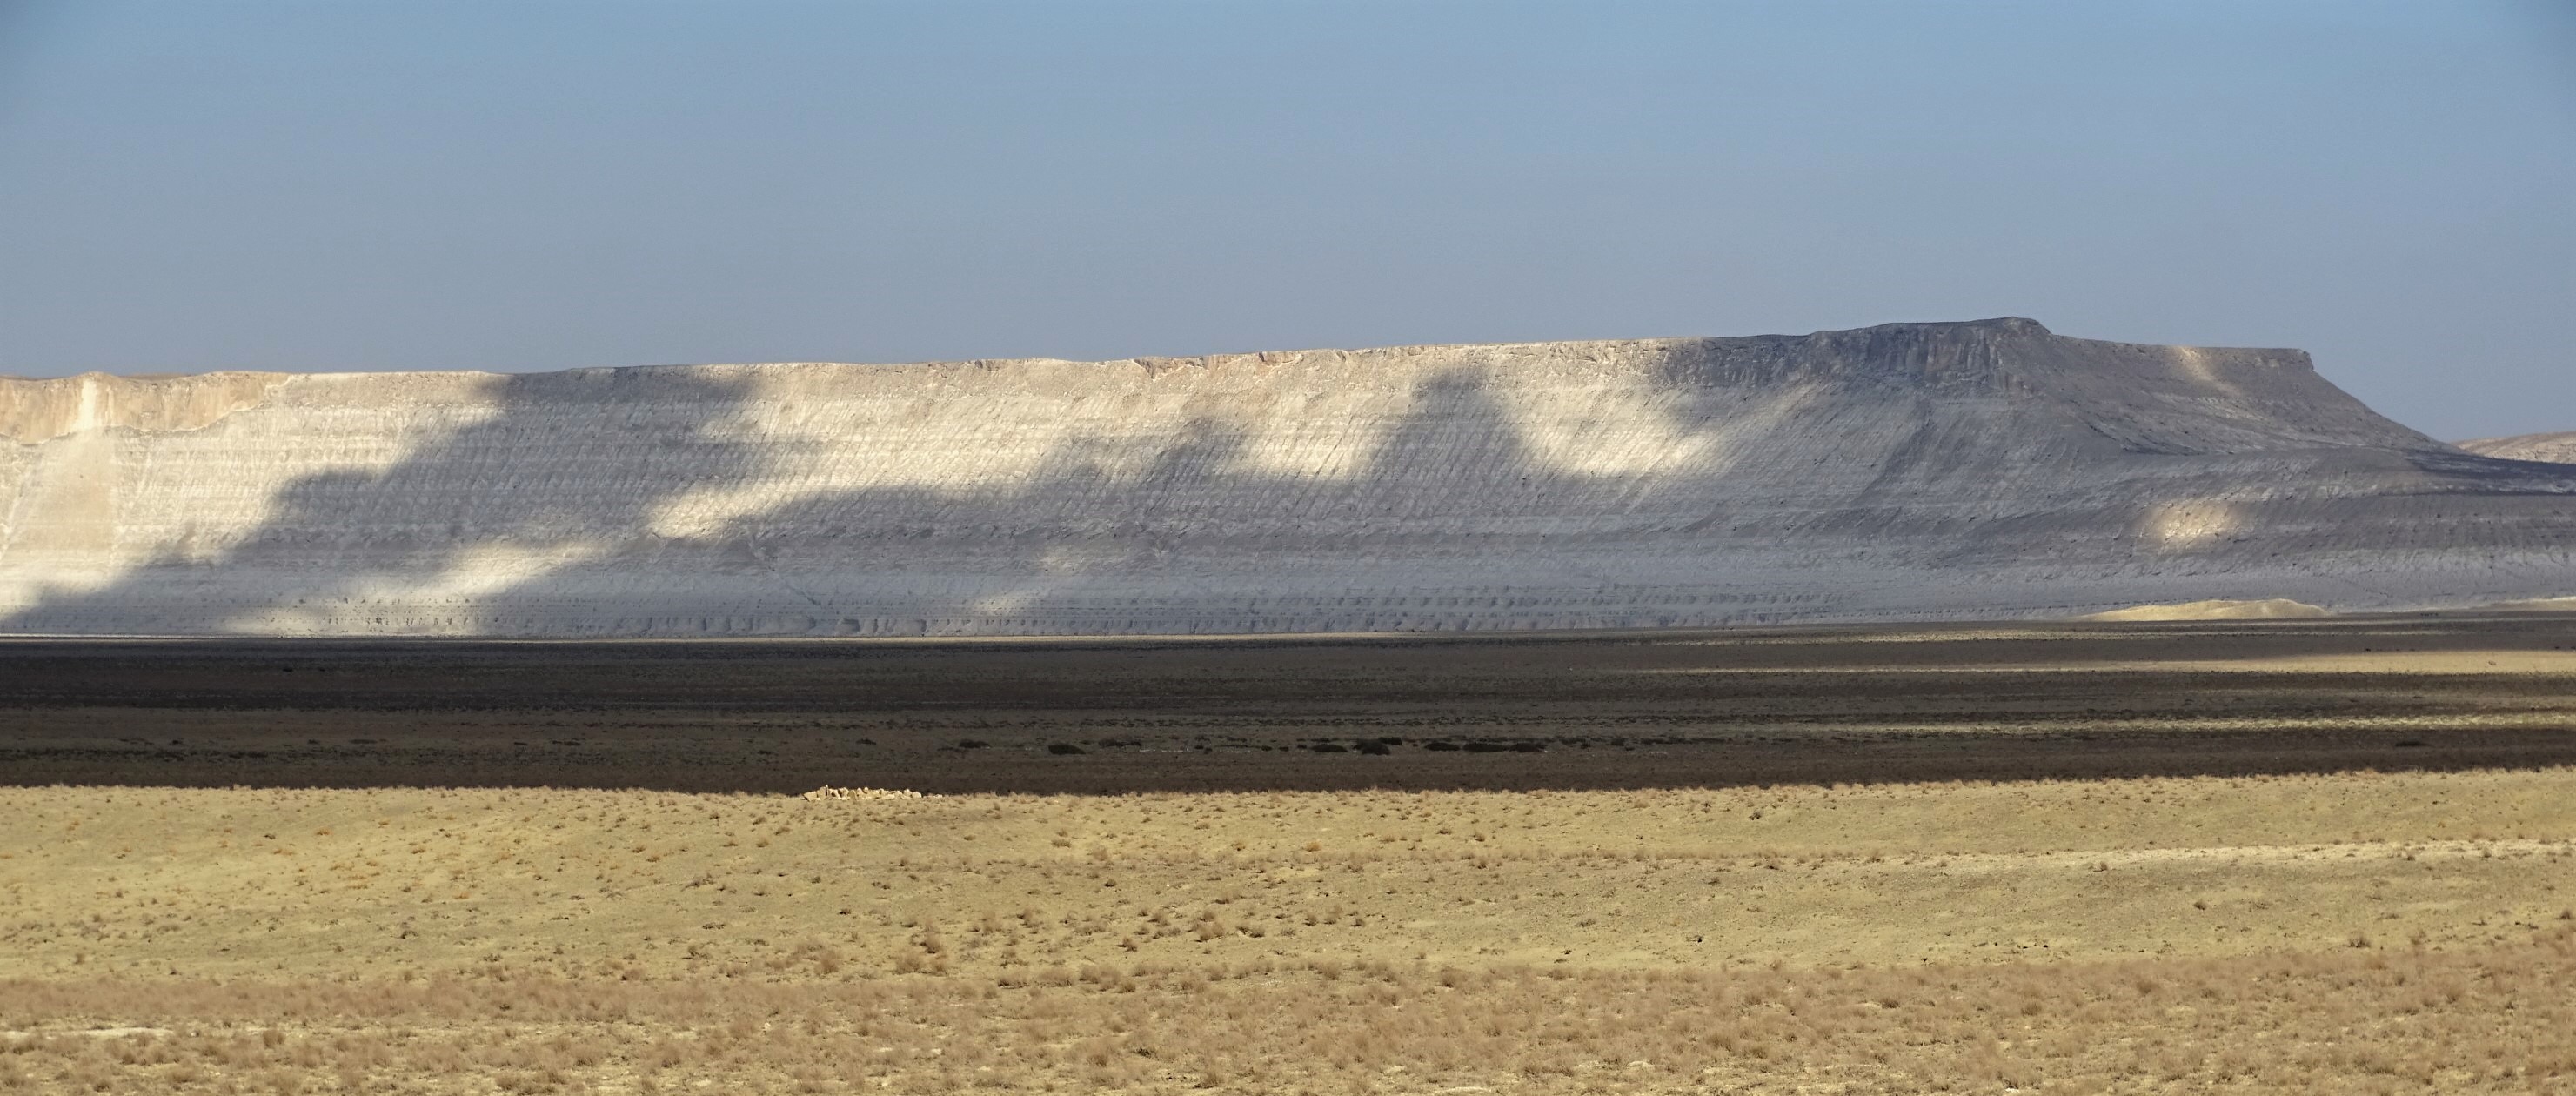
{"points": [[543, 519], [547, 511], [583, 519], [424, 519], [1024, 555]]}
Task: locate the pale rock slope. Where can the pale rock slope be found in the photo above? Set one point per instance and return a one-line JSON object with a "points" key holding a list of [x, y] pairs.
{"points": [[2552, 448], [1910, 471], [2267, 609]]}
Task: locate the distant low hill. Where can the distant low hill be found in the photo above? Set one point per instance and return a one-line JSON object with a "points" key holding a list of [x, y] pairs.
{"points": [[2559, 448], [1908, 471]]}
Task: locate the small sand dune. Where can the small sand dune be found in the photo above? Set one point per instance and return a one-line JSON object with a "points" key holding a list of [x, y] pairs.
{"points": [[2277, 608]]}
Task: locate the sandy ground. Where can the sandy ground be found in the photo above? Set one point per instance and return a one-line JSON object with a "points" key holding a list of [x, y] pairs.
{"points": [[2315, 926], [230, 884], [1915, 935]]}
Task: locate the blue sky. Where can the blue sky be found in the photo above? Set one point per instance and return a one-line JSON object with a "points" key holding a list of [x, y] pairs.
{"points": [[515, 186]]}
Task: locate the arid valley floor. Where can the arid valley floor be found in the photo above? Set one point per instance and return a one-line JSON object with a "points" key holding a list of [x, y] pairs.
{"points": [[2310, 855]]}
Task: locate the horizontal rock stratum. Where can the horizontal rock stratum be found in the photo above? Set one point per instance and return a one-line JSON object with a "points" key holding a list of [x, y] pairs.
{"points": [[1909, 471]]}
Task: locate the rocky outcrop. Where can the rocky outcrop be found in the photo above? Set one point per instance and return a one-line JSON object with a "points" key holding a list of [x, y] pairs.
{"points": [[2550, 448], [1910, 471]]}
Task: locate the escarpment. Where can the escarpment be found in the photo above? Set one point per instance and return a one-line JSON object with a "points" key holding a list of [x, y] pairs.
{"points": [[37, 411], [2558, 448], [1909, 471]]}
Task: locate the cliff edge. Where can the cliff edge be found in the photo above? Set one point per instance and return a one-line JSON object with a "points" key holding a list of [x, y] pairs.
{"points": [[1907, 471]]}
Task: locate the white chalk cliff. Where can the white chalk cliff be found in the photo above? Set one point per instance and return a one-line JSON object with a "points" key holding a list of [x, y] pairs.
{"points": [[1910, 471]]}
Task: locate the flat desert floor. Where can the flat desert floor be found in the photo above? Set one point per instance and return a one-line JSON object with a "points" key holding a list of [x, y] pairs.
{"points": [[2332, 855]]}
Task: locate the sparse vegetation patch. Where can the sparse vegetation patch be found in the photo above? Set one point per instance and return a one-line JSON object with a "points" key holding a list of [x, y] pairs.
{"points": [[2182, 935]]}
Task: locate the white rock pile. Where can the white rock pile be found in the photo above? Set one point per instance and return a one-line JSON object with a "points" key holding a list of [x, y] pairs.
{"points": [[829, 792]]}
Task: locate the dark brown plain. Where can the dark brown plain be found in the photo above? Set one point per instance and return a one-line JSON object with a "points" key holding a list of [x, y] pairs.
{"points": [[1561, 711]]}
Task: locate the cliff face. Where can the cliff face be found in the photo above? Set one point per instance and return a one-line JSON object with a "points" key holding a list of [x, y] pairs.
{"points": [[2551, 448], [1905, 471]]}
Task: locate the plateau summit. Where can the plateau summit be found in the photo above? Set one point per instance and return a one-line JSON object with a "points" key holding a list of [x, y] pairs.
{"points": [[1902, 472]]}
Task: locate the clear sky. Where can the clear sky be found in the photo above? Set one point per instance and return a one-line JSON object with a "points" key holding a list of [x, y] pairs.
{"points": [[202, 185]]}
